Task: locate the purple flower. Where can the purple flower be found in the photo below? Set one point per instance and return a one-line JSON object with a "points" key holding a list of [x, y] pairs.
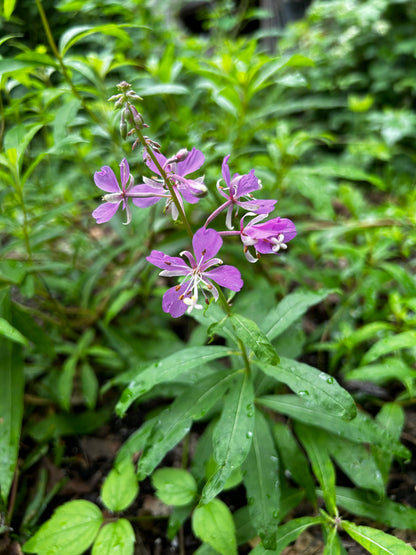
{"points": [[267, 238], [241, 186], [107, 181], [197, 274], [176, 168]]}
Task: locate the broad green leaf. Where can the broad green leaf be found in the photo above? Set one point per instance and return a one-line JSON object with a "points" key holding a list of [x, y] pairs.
{"points": [[75, 34], [393, 368], [168, 369], [120, 487], [358, 463], [70, 531], [320, 388], [12, 271], [361, 429], [163, 88], [376, 541], [89, 385], [10, 332], [232, 434], [366, 504], [175, 421], [261, 480], [290, 308], [249, 332], [16, 141], [11, 401], [11, 65], [115, 537], [8, 8], [288, 533], [66, 381], [58, 425], [174, 486], [391, 417], [315, 442], [136, 442], [293, 459], [404, 340], [214, 525]]}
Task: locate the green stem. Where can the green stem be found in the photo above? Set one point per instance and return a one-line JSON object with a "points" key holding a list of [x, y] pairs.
{"points": [[165, 179], [243, 349]]}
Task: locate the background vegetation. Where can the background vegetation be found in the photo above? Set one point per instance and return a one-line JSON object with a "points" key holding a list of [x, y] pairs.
{"points": [[327, 121]]}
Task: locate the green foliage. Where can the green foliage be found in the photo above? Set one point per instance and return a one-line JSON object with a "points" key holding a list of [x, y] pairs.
{"points": [[280, 392]]}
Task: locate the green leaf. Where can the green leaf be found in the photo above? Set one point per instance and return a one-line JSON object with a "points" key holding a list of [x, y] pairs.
{"points": [[261, 480], [70, 531], [376, 541], [174, 486], [358, 463], [168, 369], [294, 459], [136, 442], [367, 504], [120, 487], [89, 385], [361, 429], [393, 368], [249, 332], [11, 401], [66, 381], [57, 425], [391, 417], [163, 88], [232, 434], [115, 537], [320, 388], [17, 140], [9, 332], [404, 340], [315, 442], [75, 34], [175, 421], [8, 8], [289, 532], [214, 525], [290, 308]]}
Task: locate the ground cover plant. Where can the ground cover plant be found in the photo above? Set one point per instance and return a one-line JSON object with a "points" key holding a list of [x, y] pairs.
{"points": [[233, 369]]}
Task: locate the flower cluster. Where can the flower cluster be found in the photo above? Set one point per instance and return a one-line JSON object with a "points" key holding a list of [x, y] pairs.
{"points": [[201, 270]]}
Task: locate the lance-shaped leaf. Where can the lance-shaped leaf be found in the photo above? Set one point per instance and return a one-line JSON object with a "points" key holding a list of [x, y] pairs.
{"points": [[366, 504], [261, 480], [294, 459], [249, 332], [320, 388], [391, 417], [11, 401], [376, 541], [289, 309], [288, 533], [167, 370], [404, 340], [232, 435], [361, 429], [176, 421], [314, 441]]}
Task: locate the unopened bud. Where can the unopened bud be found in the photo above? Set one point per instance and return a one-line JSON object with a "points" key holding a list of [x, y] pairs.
{"points": [[181, 155], [123, 129]]}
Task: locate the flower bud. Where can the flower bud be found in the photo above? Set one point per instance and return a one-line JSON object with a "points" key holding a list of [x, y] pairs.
{"points": [[181, 155], [123, 129]]}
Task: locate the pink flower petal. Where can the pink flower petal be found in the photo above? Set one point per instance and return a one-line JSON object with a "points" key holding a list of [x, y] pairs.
{"points": [[226, 276], [106, 180], [169, 263], [206, 243], [124, 172], [171, 302], [192, 162], [226, 171], [105, 212]]}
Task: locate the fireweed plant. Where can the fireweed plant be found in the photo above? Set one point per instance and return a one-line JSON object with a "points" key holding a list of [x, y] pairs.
{"points": [[240, 390]]}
